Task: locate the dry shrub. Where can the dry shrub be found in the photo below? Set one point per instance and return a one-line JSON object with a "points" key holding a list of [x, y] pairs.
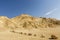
{"points": [[13, 31], [24, 33], [34, 34], [42, 36], [29, 34], [20, 33], [53, 37]]}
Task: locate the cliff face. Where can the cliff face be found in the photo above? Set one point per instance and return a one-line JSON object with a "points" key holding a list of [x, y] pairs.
{"points": [[28, 22]]}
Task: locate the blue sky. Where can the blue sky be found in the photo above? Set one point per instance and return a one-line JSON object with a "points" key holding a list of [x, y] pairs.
{"points": [[44, 8]]}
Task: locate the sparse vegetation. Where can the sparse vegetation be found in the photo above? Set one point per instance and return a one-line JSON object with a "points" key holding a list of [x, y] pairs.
{"points": [[24, 25], [35, 35], [29, 34], [20, 33], [42, 36], [12, 31], [53, 37], [25, 33]]}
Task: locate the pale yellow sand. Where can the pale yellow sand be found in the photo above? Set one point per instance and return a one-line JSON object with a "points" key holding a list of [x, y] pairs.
{"points": [[7, 35]]}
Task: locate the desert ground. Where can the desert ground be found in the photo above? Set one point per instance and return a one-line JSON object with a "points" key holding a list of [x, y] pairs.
{"points": [[34, 34], [25, 27]]}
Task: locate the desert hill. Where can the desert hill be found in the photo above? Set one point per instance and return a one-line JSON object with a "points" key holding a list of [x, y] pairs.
{"points": [[28, 22], [26, 27]]}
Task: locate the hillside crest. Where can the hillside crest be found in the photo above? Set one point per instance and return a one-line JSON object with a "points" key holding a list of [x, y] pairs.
{"points": [[28, 22]]}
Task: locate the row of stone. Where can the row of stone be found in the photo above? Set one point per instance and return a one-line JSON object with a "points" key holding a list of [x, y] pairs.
{"points": [[30, 34]]}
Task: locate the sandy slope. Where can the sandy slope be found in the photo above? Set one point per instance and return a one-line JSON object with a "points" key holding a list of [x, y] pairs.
{"points": [[25, 27], [36, 34]]}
